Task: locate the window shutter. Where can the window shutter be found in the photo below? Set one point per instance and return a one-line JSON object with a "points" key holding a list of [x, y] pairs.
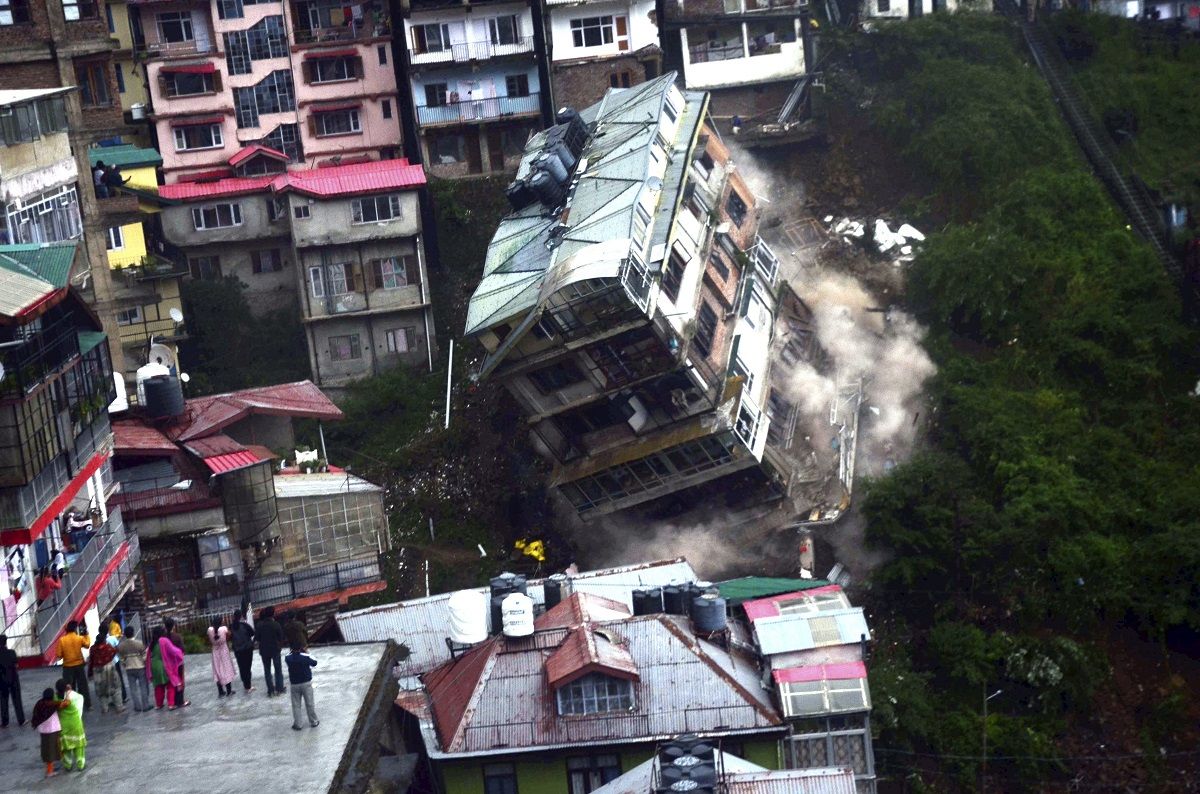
{"points": [[622, 33]]}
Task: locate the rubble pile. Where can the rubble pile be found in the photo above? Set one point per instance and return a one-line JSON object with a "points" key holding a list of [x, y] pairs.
{"points": [[899, 246]]}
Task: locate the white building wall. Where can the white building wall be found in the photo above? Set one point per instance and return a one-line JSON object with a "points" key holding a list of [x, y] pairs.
{"points": [[642, 30], [470, 29], [785, 64]]}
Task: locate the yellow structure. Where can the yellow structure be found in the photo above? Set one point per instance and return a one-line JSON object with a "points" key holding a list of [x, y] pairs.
{"points": [[147, 271], [131, 78]]}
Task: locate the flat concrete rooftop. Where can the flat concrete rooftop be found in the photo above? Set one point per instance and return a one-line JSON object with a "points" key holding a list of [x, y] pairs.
{"points": [[243, 743]]}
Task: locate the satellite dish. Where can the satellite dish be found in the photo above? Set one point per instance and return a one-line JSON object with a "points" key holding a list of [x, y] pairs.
{"points": [[161, 354], [176, 315], [186, 378]]}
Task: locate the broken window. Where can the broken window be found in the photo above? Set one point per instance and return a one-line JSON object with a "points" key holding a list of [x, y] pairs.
{"points": [[706, 330], [673, 276], [736, 208]]}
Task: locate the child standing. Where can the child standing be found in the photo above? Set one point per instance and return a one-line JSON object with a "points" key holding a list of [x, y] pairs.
{"points": [[45, 722], [70, 715], [299, 667]]}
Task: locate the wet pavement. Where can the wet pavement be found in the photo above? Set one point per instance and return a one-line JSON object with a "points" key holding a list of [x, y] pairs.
{"points": [[242, 743]]}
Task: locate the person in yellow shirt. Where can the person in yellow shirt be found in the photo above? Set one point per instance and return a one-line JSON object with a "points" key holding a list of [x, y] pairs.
{"points": [[70, 650]]}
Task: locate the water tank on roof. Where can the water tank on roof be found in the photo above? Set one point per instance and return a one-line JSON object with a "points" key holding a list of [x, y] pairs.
{"points": [[516, 615], [519, 195], [248, 499], [564, 154], [508, 582], [468, 617], [144, 374], [570, 130], [675, 599], [554, 590], [549, 190], [163, 396], [565, 114], [690, 778], [549, 162], [708, 613], [496, 612], [648, 601]]}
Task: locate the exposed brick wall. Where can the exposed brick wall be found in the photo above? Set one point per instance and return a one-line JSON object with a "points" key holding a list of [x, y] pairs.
{"points": [[583, 83], [36, 30], [691, 9], [750, 102], [34, 74], [89, 30]]}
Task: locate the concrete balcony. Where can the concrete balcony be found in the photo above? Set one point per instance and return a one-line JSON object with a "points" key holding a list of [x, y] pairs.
{"points": [[478, 110], [470, 51]]}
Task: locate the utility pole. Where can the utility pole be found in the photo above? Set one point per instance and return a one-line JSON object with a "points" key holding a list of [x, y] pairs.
{"points": [[983, 756], [449, 373]]}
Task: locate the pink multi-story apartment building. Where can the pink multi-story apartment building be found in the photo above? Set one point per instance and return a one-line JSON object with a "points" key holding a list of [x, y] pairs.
{"points": [[246, 87]]}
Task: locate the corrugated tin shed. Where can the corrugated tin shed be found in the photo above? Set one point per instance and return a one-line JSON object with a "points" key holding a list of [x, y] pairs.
{"points": [[321, 484], [496, 698], [735, 591], [422, 624]]}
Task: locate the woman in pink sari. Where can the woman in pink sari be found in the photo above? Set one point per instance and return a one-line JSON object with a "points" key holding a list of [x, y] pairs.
{"points": [[163, 663], [222, 659]]}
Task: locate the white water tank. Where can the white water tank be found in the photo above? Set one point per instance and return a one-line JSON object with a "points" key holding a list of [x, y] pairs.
{"points": [[468, 617], [145, 373], [516, 615], [121, 403]]}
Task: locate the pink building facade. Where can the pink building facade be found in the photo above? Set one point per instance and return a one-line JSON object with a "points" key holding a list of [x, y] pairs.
{"points": [[306, 83]]}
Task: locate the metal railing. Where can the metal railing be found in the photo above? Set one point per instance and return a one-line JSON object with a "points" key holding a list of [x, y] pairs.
{"points": [[471, 51], [145, 267], [355, 30], [180, 47], [163, 501], [82, 575], [27, 362], [478, 109], [277, 588]]}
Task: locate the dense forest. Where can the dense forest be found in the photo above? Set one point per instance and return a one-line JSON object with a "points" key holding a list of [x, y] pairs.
{"points": [[1045, 543]]}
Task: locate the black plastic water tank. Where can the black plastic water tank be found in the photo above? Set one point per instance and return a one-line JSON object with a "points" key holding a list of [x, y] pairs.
{"points": [[164, 396], [553, 589], [708, 613], [674, 600]]}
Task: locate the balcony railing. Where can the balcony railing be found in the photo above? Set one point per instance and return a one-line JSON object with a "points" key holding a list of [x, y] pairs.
{"points": [[478, 110], [365, 29], [196, 495], [135, 268], [84, 571], [27, 362], [189, 47], [471, 51], [282, 587]]}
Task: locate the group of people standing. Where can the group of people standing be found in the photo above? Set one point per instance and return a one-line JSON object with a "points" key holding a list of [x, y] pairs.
{"points": [[106, 179]]}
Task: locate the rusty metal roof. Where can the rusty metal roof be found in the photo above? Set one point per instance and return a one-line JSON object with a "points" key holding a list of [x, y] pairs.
{"points": [[422, 624], [204, 416], [131, 437], [211, 446], [496, 699], [579, 608], [588, 650]]}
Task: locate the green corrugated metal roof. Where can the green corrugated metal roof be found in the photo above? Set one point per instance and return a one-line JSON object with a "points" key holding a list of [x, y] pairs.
{"points": [[124, 155], [748, 588], [50, 263], [89, 340]]}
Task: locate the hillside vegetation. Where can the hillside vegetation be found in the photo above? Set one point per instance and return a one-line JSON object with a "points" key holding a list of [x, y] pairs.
{"points": [[1047, 542]]}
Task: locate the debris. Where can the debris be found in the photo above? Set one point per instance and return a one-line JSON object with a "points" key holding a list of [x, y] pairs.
{"points": [[911, 233]]}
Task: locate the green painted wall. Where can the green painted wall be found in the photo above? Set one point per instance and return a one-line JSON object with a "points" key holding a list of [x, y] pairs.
{"points": [[546, 773]]}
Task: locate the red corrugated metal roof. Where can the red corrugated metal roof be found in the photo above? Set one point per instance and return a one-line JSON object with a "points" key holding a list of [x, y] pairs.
{"points": [[451, 686], [204, 416], [769, 607], [344, 53], [191, 68], [579, 608], [223, 464], [246, 152], [376, 176], [587, 650], [233, 186], [134, 438], [211, 446]]}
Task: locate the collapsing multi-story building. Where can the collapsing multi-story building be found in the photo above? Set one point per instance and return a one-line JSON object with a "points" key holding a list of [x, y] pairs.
{"points": [[629, 305], [56, 483]]}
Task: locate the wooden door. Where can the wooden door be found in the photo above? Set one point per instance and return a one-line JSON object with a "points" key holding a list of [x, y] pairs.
{"points": [[622, 33], [474, 157], [495, 150]]}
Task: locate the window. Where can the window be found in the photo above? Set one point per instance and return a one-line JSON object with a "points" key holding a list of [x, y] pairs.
{"points": [[740, 370], [14, 12], [115, 240], [93, 84], [620, 79], [339, 122], [400, 340], [431, 38], [268, 260], [164, 574], [131, 316], [50, 217], [218, 557], [264, 40], [112, 25], [217, 216], [331, 280], [706, 329], [824, 697], [810, 604], [736, 208], [205, 268], [175, 27], [837, 740], [301, 212], [436, 94], [517, 85], [332, 70], [375, 208], [588, 773], [345, 348], [499, 779], [120, 76], [74, 10], [670, 112], [276, 209], [884, 6], [504, 30], [273, 94], [556, 376], [198, 136], [673, 275], [229, 9], [390, 273], [386, 107], [595, 693], [705, 165], [592, 31], [718, 265], [179, 84], [285, 138], [448, 148], [381, 51]]}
